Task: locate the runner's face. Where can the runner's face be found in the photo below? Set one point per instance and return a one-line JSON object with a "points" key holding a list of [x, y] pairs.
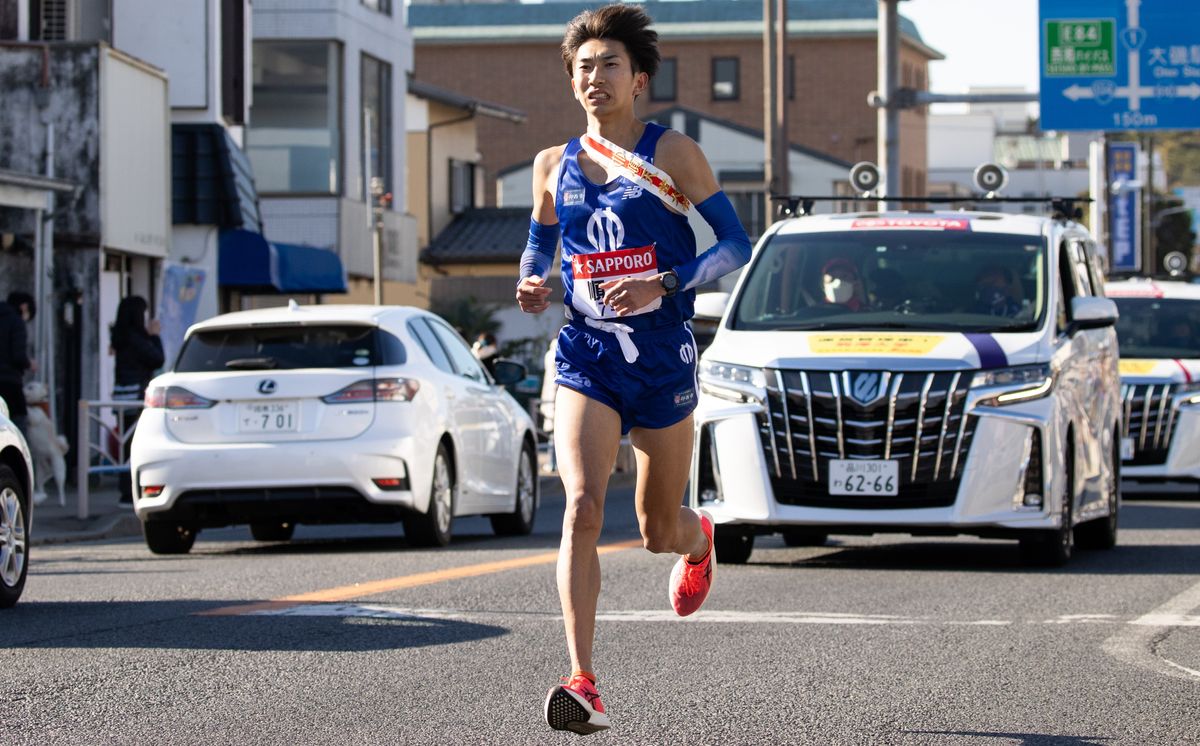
{"points": [[604, 79]]}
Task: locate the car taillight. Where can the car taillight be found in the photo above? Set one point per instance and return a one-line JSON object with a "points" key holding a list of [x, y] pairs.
{"points": [[376, 389], [174, 397]]}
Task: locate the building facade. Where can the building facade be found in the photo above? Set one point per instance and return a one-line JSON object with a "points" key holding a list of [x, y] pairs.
{"points": [[712, 64], [326, 125]]}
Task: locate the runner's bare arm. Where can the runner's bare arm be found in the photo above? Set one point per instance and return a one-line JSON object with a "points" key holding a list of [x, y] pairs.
{"points": [[532, 294], [684, 161]]}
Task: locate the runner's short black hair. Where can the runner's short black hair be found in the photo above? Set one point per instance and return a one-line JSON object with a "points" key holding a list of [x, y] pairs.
{"points": [[628, 24]]}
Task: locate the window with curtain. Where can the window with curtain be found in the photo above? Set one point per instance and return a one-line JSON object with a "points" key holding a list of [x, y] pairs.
{"points": [[376, 82], [725, 79], [294, 137]]}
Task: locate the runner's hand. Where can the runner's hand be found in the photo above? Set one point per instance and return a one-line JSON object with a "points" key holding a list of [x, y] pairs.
{"points": [[631, 293], [532, 294]]}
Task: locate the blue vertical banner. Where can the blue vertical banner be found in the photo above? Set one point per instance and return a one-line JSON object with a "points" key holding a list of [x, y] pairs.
{"points": [[1125, 210], [178, 305]]}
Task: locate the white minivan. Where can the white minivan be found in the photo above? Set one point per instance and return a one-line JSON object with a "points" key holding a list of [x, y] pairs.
{"points": [[920, 372], [1160, 378]]}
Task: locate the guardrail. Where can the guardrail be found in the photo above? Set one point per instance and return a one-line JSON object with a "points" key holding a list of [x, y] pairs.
{"points": [[91, 420]]}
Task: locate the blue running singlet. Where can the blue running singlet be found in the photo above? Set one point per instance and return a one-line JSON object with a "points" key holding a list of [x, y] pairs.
{"points": [[642, 365]]}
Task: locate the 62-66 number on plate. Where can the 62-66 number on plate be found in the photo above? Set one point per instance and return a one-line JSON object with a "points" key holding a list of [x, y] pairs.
{"points": [[877, 477]]}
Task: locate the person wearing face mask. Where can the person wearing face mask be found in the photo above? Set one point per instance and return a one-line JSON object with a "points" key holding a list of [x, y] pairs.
{"points": [[841, 284], [993, 293]]}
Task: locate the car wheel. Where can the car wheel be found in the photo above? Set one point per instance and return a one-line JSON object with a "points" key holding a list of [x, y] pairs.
{"points": [[733, 544], [432, 528], [1053, 548], [164, 537], [520, 521], [272, 531], [804, 537], [1101, 533], [14, 537]]}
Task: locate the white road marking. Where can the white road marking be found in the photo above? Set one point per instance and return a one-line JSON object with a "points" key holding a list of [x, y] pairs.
{"points": [[1148, 624], [1138, 642]]}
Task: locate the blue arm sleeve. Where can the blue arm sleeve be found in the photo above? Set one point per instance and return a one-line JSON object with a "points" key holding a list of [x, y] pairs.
{"points": [[539, 249], [731, 250]]}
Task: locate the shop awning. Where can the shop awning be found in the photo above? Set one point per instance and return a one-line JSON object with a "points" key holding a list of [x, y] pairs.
{"points": [[251, 263]]}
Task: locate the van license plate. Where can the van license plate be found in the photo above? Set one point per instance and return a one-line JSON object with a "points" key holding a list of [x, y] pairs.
{"points": [[850, 477], [268, 417], [1126, 449]]}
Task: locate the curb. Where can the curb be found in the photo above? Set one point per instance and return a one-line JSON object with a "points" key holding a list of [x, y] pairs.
{"points": [[114, 527]]}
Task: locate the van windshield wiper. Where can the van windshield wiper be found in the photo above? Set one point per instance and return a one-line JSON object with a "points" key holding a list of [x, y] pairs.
{"points": [[252, 363]]}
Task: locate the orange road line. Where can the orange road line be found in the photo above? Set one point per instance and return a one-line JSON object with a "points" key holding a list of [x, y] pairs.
{"points": [[375, 587]]}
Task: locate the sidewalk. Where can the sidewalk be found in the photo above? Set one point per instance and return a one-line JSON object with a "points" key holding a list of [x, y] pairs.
{"points": [[107, 518]]}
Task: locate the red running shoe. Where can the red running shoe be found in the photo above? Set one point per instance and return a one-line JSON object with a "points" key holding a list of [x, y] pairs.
{"points": [[690, 581], [575, 705]]}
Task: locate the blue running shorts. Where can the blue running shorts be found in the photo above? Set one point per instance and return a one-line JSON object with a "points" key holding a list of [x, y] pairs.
{"points": [[655, 391]]}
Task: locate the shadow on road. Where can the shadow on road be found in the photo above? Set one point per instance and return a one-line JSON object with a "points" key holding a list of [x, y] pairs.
{"points": [[180, 625], [974, 556], [1024, 739]]}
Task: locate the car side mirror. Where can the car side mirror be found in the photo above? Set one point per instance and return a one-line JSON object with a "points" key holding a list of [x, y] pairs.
{"points": [[507, 372], [711, 306], [1093, 313]]}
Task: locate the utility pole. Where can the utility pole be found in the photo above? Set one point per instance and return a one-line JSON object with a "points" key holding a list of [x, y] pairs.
{"points": [[775, 79], [888, 116]]}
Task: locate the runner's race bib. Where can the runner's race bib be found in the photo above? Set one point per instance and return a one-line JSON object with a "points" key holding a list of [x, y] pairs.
{"points": [[591, 270]]}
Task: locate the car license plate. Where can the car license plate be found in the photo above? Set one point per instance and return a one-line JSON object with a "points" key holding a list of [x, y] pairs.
{"points": [[850, 477], [268, 417], [1126, 449]]}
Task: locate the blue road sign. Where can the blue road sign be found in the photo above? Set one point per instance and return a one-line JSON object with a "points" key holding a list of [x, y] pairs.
{"points": [[1120, 64], [1124, 217]]}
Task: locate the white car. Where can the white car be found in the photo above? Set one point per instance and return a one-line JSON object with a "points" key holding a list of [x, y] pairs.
{"points": [[929, 373], [1160, 378], [330, 414], [16, 509]]}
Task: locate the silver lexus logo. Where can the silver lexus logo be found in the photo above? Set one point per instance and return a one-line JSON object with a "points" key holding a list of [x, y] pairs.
{"points": [[266, 386], [864, 387]]}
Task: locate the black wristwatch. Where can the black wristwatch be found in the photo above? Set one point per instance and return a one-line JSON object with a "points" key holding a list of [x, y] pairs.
{"points": [[669, 281]]}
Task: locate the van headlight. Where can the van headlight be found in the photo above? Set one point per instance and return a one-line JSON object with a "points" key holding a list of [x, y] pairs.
{"points": [[737, 383], [1188, 393], [1014, 385]]}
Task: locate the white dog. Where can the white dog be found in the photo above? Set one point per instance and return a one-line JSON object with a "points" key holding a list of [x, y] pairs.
{"points": [[47, 446]]}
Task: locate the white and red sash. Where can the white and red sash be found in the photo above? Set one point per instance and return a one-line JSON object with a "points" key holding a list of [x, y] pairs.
{"points": [[632, 167]]}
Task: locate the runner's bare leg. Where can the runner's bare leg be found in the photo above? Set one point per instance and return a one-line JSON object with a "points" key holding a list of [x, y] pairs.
{"points": [[664, 461], [586, 437]]}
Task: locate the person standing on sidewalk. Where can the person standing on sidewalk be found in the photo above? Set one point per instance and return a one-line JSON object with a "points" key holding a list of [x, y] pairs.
{"points": [[14, 355], [619, 196], [139, 353]]}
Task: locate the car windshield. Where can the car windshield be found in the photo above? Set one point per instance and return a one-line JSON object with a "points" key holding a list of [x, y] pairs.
{"points": [[1158, 327], [896, 279], [279, 348]]}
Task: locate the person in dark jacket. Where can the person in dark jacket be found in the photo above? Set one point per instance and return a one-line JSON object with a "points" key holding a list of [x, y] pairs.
{"points": [[137, 348], [139, 353], [14, 353]]}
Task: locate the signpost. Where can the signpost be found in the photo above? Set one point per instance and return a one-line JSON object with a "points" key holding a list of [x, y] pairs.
{"points": [[1120, 64], [1124, 229]]}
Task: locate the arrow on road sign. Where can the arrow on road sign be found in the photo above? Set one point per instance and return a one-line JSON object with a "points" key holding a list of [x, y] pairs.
{"points": [[1103, 92]]}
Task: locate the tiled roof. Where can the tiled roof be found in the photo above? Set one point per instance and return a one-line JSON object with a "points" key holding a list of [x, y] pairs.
{"points": [[481, 235], [671, 19]]}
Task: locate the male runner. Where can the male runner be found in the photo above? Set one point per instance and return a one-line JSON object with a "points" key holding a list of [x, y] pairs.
{"points": [[626, 362]]}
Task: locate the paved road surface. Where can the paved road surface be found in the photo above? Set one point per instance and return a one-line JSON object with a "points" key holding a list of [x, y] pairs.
{"points": [[865, 641]]}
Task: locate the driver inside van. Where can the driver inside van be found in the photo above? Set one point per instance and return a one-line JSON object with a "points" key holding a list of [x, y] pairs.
{"points": [[994, 293], [841, 284]]}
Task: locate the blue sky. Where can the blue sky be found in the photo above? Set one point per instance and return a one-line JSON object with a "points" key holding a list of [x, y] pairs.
{"points": [[986, 42]]}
